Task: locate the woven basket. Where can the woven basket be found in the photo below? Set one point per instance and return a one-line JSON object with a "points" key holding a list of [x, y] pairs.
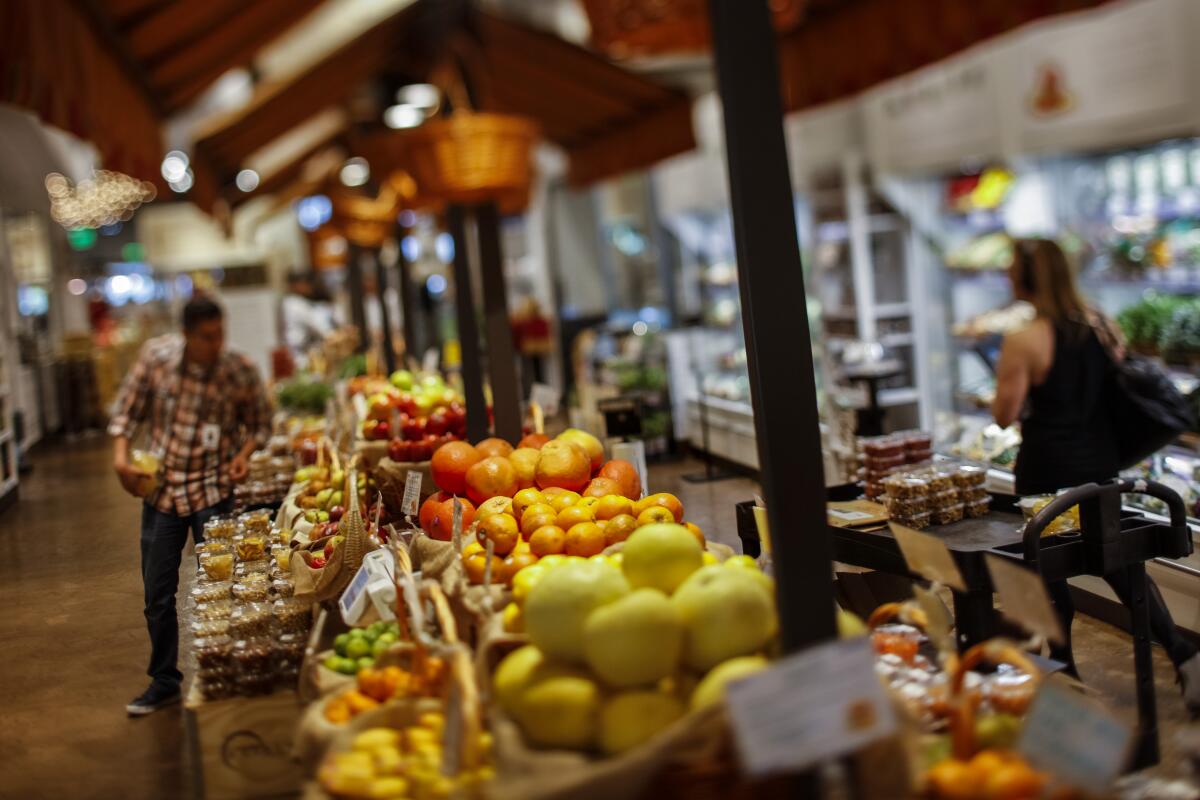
{"points": [[473, 157]]}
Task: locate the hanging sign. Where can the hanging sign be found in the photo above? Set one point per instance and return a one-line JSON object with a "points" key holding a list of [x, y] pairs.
{"points": [[928, 557], [1023, 598]]}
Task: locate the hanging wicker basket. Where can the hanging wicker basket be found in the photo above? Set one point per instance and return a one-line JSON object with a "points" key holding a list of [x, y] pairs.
{"points": [[473, 157]]}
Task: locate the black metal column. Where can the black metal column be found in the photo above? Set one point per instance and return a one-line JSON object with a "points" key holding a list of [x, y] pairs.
{"points": [[468, 329], [502, 358], [354, 284], [408, 299], [778, 345], [385, 315]]}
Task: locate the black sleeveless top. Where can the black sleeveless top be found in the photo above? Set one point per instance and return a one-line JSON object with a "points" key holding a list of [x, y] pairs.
{"points": [[1067, 432]]}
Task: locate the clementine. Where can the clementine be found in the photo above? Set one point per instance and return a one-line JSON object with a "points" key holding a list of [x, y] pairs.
{"points": [[619, 528], [491, 477], [514, 563], [599, 487], [626, 476], [437, 515], [585, 539], [588, 443], [494, 446], [449, 466], [699, 534], [562, 463], [612, 505], [588, 502], [524, 499], [548, 540], [573, 516], [549, 492], [495, 505], [501, 531], [664, 499], [534, 440], [475, 565], [654, 514], [536, 516], [562, 500], [524, 461]]}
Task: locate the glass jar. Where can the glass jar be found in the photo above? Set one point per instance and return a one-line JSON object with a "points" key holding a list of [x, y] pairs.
{"points": [[251, 620]]}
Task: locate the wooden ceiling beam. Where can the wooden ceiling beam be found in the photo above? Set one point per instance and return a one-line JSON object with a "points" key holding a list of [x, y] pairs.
{"points": [[285, 175], [532, 68], [162, 32], [558, 120], [634, 144], [102, 24], [124, 10], [185, 74]]}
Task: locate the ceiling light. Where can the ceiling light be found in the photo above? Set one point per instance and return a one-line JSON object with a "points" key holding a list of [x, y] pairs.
{"points": [[403, 115], [174, 166], [355, 171], [424, 96], [247, 180], [183, 184]]}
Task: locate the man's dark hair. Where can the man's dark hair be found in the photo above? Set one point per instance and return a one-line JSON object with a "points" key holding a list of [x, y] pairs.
{"points": [[200, 309]]}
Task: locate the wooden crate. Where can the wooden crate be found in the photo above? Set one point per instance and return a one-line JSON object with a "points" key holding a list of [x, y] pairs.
{"points": [[242, 747]]}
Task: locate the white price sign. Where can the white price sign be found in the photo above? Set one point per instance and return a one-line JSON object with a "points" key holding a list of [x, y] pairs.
{"points": [[412, 493], [809, 707]]}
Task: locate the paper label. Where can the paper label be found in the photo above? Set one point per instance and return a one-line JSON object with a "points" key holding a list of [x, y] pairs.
{"points": [[545, 396], [940, 621], [848, 516], [809, 707], [412, 492], [928, 557], [1074, 738], [456, 517], [1023, 598]]}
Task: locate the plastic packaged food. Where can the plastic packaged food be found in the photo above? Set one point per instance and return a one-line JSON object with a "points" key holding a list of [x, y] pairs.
{"points": [[969, 476], [289, 650], [873, 490], [204, 628], [217, 688], [220, 528], [916, 442], [943, 499], [882, 446], [255, 655], [214, 546], [940, 480], [216, 609], [978, 508], [917, 521], [251, 620], [883, 463], [946, 515], [283, 587], [214, 652], [906, 486], [1010, 691], [258, 522], [217, 566], [247, 568], [973, 494], [251, 546], [918, 456], [293, 615], [1064, 523], [251, 591], [283, 536], [210, 591], [898, 640], [905, 506]]}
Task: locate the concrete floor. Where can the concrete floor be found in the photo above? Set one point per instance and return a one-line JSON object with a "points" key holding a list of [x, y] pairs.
{"points": [[76, 643]]}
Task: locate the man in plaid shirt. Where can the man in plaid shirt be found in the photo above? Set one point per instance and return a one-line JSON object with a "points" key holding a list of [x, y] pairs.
{"points": [[206, 411]]}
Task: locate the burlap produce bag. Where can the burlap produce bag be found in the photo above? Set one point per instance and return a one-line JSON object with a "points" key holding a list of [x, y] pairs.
{"points": [[472, 605], [390, 477]]}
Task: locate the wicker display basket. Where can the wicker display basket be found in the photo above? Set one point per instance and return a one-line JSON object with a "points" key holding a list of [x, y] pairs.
{"points": [[471, 157]]}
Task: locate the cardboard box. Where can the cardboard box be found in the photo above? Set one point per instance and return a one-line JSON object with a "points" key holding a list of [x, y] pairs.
{"points": [[242, 747]]}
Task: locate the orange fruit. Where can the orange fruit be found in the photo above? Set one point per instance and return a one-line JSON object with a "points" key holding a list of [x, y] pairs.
{"points": [[587, 443], [471, 548], [573, 516], [437, 515], [598, 487], [524, 461], [475, 565], [449, 466], [563, 463], [1012, 781], [536, 516], [699, 534], [548, 540], [626, 476], [654, 514], [524, 499], [495, 505], [619, 528], [664, 499], [514, 564], [550, 492], [522, 547], [562, 500], [501, 531], [491, 477], [612, 505], [585, 539], [534, 440], [953, 780], [588, 502], [494, 446]]}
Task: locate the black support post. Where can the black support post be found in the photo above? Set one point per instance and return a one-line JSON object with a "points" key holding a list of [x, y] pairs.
{"points": [[502, 360], [354, 283], [468, 329], [385, 314], [778, 344]]}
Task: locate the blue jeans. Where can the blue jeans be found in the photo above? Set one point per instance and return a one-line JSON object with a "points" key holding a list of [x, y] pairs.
{"points": [[163, 538]]}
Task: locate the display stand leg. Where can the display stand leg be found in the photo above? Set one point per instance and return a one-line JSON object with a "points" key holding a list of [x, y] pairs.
{"points": [[974, 618], [354, 283], [778, 341], [408, 300], [1146, 753], [468, 329], [385, 316], [502, 359]]}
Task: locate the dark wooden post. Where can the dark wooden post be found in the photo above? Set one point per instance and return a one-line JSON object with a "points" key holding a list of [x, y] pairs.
{"points": [[385, 315], [408, 299], [502, 359], [354, 284], [468, 329]]}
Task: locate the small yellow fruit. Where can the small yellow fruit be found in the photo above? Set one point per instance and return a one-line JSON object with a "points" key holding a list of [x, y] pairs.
{"points": [[513, 619], [709, 558], [742, 561]]}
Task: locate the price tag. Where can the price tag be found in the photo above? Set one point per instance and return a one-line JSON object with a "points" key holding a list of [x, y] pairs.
{"points": [[928, 556], [456, 522], [1074, 738], [809, 707], [412, 492], [545, 396], [430, 362], [1023, 598], [940, 622]]}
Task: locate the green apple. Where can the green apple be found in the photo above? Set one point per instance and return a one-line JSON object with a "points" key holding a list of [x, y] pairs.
{"points": [[339, 644], [402, 379], [357, 648]]}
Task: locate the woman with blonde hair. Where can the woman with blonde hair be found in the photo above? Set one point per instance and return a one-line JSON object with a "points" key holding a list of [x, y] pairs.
{"points": [[1055, 376]]}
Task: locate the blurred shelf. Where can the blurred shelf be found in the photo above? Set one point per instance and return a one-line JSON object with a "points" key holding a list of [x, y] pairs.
{"points": [[901, 396], [839, 231], [882, 311], [1180, 281]]}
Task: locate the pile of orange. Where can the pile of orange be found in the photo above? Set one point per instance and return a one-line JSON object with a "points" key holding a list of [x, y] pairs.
{"points": [[989, 775]]}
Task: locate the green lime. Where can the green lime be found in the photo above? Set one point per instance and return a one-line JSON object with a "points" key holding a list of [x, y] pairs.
{"points": [[366, 662], [347, 666], [357, 648], [387, 638], [380, 648], [333, 662], [339, 644], [394, 629]]}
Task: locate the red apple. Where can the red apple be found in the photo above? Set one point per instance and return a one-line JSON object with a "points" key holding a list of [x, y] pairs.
{"points": [[407, 403], [439, 423], [396, 449], [413, 429], [333, 542], [308, 452], [383, 431], [336, 513]]}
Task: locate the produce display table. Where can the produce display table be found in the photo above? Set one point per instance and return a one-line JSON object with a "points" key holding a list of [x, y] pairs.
{"points": [[1111, 541]]}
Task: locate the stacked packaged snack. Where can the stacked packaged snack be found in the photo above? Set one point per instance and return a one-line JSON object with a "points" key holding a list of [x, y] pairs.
{"points": [[969, 481], [907, 499], [881, 456]]}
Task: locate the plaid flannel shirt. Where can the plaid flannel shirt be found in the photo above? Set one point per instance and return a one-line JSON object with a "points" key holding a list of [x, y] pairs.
{"points": [[177, 400]]}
